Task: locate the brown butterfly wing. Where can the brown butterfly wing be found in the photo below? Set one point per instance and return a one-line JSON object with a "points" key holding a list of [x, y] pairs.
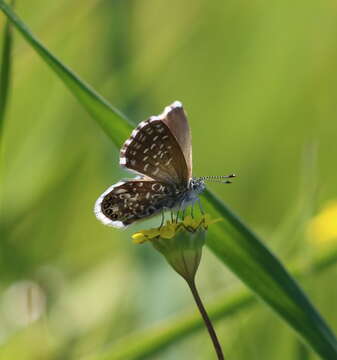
{"points": [[153, 150], [175, 118], [132, 200], [159, 149]]}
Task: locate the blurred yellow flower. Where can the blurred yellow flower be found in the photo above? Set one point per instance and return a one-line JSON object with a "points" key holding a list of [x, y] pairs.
{"points": [[323, 227]]}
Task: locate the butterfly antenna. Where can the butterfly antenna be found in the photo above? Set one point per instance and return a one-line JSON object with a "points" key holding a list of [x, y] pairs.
{"points": [[218, 178]]}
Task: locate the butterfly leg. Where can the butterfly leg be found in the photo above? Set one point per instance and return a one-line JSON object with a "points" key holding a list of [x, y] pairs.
{"points": [[200, 207], [181, 206], [177, 216], [192, 210], [183, 214], [162, 219]]}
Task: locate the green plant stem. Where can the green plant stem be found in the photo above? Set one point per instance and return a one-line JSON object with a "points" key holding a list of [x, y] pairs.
{"points": [[206, 319]]}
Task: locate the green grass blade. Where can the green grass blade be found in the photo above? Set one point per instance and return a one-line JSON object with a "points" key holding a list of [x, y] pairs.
{"points": [[110, 119], [248, 258], [5, 71], [141, 345], [231, 240]]}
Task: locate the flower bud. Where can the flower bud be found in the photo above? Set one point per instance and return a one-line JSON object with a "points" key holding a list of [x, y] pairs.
{"points": [[180, 242]]}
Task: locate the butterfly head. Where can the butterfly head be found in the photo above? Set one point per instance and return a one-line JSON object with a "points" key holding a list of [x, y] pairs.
{"points": [[197, 185]]}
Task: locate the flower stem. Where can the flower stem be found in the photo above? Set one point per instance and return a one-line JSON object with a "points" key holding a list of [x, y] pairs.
{"points": [[206, 319]]}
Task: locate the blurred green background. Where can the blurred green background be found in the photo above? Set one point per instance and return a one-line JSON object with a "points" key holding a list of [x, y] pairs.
{"points": [[258, 81]]}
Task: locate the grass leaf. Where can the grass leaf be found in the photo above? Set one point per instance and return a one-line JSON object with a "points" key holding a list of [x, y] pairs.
{"points": [[233, 242]]}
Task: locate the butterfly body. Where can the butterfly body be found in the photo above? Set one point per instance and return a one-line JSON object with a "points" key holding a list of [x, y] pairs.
{"points": [[159, 151]]}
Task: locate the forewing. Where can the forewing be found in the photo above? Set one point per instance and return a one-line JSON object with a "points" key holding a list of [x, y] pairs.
{"points": [[153, 150], [131, 200], [175, 118]]}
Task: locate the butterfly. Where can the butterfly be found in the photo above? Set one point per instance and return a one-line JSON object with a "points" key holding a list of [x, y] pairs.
{"points": [[159, 151]]}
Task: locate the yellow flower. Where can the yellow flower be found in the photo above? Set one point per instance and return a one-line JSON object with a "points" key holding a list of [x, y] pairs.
{"points": [[144, 235], [139, 237], [323, 227], [169, 230], [172, 228], [209, 221]]}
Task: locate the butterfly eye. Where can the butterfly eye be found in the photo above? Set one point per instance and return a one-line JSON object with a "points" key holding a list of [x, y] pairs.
{"points": [[194, 185]]}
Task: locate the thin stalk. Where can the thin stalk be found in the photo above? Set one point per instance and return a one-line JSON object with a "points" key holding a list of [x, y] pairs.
{"points": [[5, 70], [206, 319]]}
